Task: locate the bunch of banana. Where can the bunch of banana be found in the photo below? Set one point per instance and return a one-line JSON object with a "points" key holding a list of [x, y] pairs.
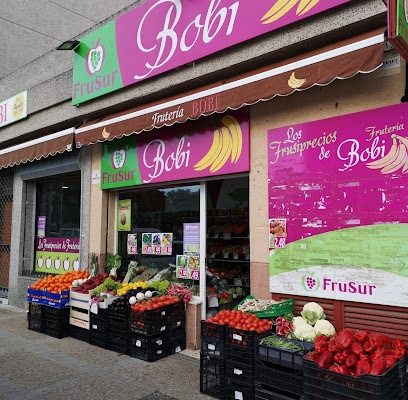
{"points": [[294, 82], [227, 142], [281, 7], [396, 158]]}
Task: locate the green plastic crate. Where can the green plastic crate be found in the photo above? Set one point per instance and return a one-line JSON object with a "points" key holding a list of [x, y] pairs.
{"points": [[281, 308]]}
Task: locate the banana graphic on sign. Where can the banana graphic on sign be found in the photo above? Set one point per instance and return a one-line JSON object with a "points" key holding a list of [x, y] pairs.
{"points": [[226, 144], [281, 7], [294, 82], [395, 159]]}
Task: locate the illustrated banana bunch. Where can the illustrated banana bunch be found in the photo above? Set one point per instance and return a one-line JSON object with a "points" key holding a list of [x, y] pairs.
{"points": [[281, 7], [294, 82], [227, 143], [396, 158]]}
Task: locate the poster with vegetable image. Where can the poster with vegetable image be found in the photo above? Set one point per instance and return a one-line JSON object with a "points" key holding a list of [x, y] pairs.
{"points": [[341, 186], [159, 244], [124, 215], [188, 267]]}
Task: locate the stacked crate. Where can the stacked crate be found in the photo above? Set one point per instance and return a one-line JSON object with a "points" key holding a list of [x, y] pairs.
{"points": [[79, 315], [48, 312], [240, 364], [118, 330], [279, 372], [175, 328], [98, 329], [213, 360]]}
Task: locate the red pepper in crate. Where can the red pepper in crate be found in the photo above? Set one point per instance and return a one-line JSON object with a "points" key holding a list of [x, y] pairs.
{"points": [[399, 345], [321, 343], [325, 359], [332, 346], [369, 346], [357, 348], [339, 358], [340, 369], [377, 353], [351, 361], [362, 367], [312, 355], [390, 360], [377, 366], [361, 336], [345, 338]]}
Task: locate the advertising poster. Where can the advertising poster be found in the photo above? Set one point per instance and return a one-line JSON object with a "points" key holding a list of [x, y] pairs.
{"points": [[188, 267], [341, 184], [124, 215], [56, 255], [132, 243], [41, 226], [191, 238]]}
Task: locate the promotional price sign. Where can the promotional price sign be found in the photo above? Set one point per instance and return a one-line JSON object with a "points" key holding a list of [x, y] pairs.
{"points": [[157, 244], [188, 267]]}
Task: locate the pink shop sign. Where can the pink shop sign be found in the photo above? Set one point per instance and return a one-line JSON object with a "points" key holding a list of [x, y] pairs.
{"points": [[161, 35]]}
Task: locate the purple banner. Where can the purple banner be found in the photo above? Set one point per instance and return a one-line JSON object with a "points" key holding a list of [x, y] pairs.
{"points": [[59, 245]]}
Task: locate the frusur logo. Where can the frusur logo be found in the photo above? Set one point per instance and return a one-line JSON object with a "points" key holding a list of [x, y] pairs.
{"points": [[95, 58], [310, 282]]}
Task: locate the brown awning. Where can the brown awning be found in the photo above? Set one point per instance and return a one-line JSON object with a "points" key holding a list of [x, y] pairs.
{"points": [[360, 54], [36, 149]]}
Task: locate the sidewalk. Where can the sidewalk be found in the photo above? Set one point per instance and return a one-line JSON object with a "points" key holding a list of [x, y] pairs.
{"points": [[35, 366]]}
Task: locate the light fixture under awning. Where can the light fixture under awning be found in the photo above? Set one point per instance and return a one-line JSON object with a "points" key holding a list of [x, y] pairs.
{"points": [[345, 59], [36, 149]]}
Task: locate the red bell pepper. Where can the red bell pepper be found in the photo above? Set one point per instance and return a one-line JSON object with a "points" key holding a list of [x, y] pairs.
{"points": [[377, 366], [345, 338], [377, 353], [340, 369], [333, 347], [325, 360], [312, 355], [362, 367], [351, 361], [339, 358], [361, 335], [369, 346], [390, 360], [320, 343], [357, 348], [399, 345]]}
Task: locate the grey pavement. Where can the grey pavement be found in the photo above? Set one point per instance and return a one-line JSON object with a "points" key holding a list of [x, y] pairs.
{"points": [[35, 366]]}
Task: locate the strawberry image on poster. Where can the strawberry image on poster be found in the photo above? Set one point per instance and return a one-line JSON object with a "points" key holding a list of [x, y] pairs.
{"points": [[95, 58], [118, 158]]}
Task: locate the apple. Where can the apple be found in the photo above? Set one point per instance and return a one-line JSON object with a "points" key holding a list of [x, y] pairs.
{"points": [[95, 58], [40, 262], [76, 265], [48, 262], [66, 264], [57, 263]]}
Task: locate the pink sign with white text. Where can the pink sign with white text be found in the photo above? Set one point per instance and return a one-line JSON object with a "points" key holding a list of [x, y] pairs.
{"points": [[341, 186]]}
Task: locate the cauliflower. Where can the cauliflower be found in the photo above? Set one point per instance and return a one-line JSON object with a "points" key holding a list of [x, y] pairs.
{"points": [[322, 326], [304, 332], [312, 312], [298, 321]]}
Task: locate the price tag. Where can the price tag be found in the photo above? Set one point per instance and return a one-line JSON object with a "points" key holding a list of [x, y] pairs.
{"points": [[167, 250], [183, 273], [280, 242], [147, 250], [158, 250], [133, 250], [195, 274]]}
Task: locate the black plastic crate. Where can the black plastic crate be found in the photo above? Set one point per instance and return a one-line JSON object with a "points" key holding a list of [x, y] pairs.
{"points": [[274, 376], [176, 340], [118, 318], [35, 323], [237, 370], [403, 378], [35, 310], [176, 310], [212, 331], [146, 328], [241, 338], [287, 358], [118, 343], [177, 322], [213, 348], [99, 339], [80, 333], [267, 393], [99, 322], [241, 354], [239, 390], [324, 384], [56, 322], [212, 385], [148, 347], [212, 365]]}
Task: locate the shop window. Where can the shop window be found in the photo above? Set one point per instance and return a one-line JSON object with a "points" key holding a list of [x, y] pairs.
{"points": [[57, 224], [158, 211]]}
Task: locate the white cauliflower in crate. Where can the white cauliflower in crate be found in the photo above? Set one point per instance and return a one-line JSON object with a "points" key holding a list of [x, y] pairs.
{"points": [[324, 327]]}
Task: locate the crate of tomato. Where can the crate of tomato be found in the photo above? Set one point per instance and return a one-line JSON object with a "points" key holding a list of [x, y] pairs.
{"points": [[359, 364]]}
